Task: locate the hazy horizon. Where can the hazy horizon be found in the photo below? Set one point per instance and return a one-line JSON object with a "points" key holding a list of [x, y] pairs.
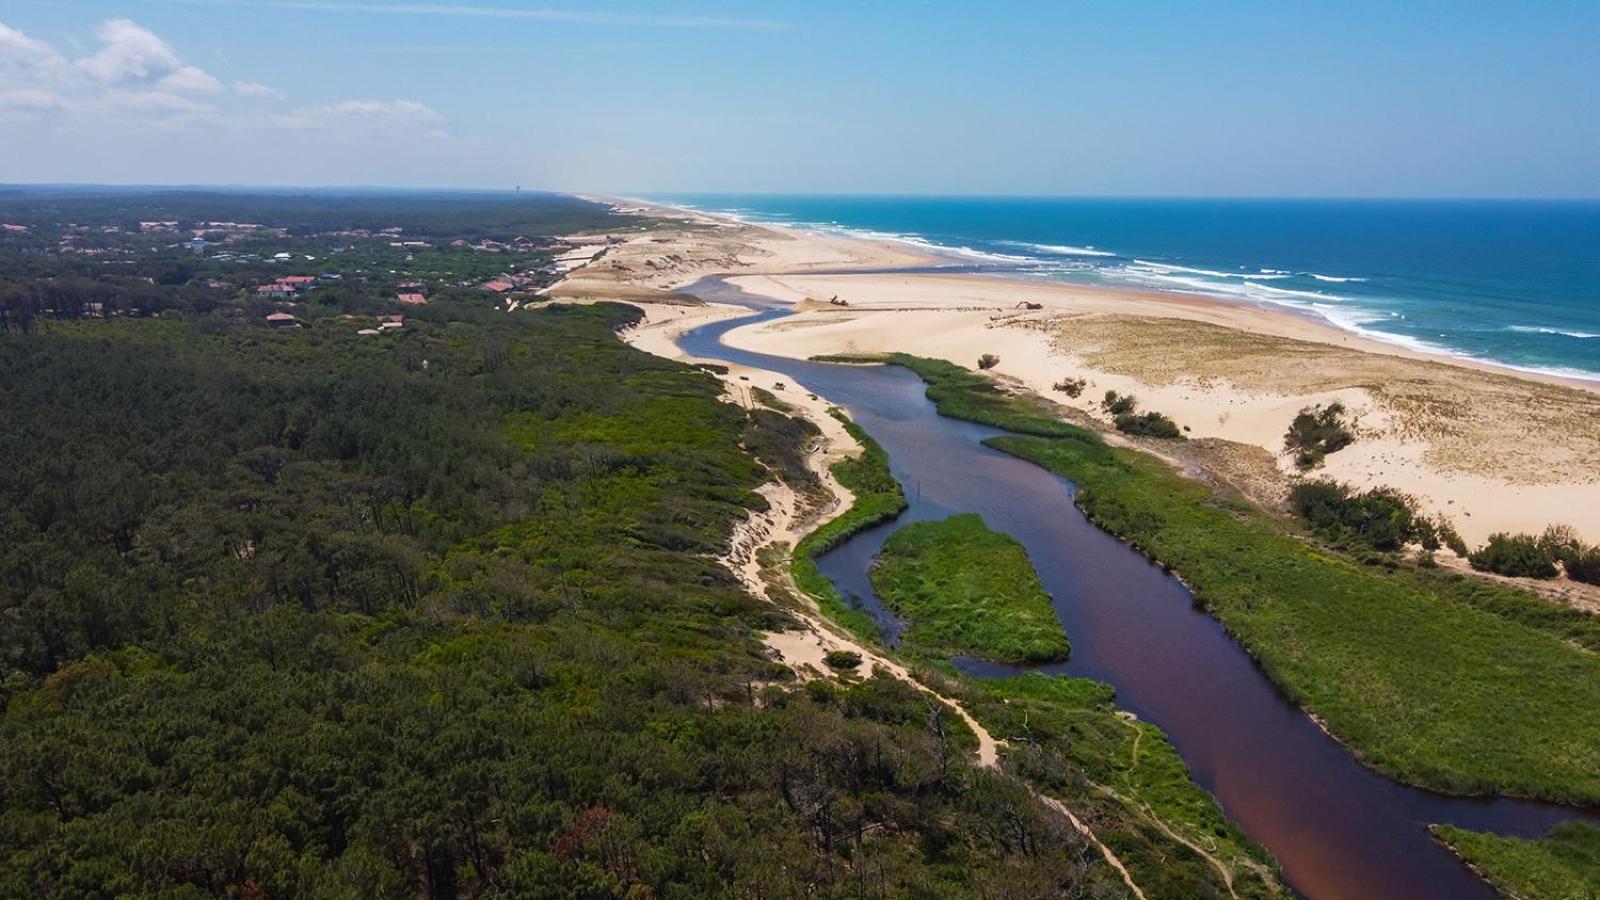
{"points": [[1237, 100], [668, 198]]}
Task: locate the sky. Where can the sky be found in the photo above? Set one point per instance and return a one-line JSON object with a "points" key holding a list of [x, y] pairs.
{"points": [[1075, 97]]}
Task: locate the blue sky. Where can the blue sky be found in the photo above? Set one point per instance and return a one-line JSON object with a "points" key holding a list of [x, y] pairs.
{"points": [[1220, 98]]}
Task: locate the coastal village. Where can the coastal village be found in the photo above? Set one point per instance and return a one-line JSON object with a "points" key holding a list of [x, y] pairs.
{"points": [[280, 278]]}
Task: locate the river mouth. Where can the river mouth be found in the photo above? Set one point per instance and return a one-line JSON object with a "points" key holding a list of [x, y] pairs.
{"points": [[1337, 828]]}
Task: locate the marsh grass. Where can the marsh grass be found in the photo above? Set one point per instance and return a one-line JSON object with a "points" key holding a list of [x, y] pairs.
{"points": [[966, 588], [1563, 864]]}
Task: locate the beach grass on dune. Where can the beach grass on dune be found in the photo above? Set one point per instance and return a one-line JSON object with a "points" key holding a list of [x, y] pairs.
{"points": [[965, 588], [1563, 865], [1427, 677], [878, 498]]}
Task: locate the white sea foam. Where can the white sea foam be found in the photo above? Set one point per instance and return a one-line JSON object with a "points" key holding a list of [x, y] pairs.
{"points": [[1263, 275], [915, 240], [1059, 249], [1054, 260], [1249, 288], [1356, 321], [1540, 329], [1289, 292]]}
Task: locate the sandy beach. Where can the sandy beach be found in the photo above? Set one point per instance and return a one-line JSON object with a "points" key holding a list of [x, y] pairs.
{"points": [[1488, 448]]}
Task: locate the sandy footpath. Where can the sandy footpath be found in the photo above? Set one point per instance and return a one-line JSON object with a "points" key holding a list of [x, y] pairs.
{"points": [[1492, 450], [790, 517], [787, 520]]}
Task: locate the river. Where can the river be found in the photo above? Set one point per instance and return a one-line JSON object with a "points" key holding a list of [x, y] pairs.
{"points": [[1337, 828]]}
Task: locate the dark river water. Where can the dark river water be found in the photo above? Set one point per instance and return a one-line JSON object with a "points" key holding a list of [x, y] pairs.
{"points": [[1338, 829]]}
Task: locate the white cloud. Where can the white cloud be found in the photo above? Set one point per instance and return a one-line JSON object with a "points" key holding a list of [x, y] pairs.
{"points": [[189, 78], [253, 89], [383, 109], [128, 53], [15, 44], [34, 99], [361, 114], [60, 104], [24, 57], [130, 58], [134, 79], [150, 101]]}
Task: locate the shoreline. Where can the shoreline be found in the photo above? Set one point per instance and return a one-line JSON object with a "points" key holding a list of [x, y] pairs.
{"points": [[937, 254], [1489, 448]]}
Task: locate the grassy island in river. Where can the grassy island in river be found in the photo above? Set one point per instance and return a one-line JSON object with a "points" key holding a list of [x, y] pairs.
{"points": [[965, 588]]}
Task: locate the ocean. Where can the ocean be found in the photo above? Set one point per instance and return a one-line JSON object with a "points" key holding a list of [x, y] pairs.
{"points": [[1508, 281]]}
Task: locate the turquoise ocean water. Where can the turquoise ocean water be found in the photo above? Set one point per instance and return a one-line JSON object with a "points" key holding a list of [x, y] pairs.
{"points": [[1513, 282]]}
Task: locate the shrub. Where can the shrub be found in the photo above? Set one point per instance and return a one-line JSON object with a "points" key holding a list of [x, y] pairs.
{"points": [[1319, 502], [988, 361], [1452, 539], [1150, 424], [1382, 518], [1119, 404], [1517, 555], [1427, 535], [1560, 542], [1584, 566], [842, 659], [1581, 561], [1316, 432], [1072, 387]]}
